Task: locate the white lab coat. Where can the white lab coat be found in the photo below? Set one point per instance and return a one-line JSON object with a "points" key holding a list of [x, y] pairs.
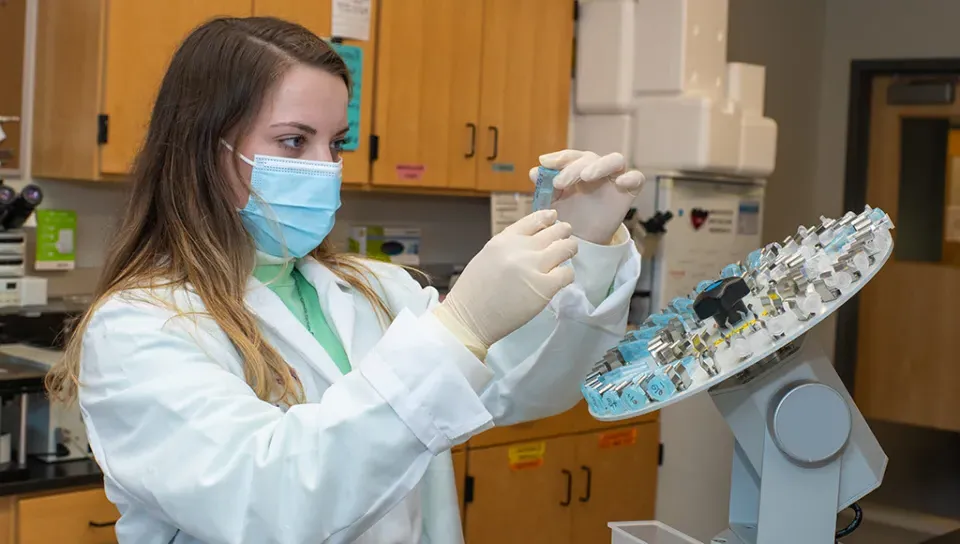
{"points": [[190, 454]]}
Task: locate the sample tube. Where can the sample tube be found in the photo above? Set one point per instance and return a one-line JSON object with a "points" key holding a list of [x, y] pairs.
{"points": [[543, 194]]}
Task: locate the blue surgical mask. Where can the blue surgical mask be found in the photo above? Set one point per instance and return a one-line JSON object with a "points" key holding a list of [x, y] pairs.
{"points": [[292, 204]]}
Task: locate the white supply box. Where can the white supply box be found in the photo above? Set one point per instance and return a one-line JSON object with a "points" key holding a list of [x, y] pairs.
{"points": [[23, 291], [647, 532], [605, 51], [681, 47]]}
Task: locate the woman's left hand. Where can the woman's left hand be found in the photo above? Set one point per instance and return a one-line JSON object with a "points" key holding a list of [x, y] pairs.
{"points": [[592, 193]]}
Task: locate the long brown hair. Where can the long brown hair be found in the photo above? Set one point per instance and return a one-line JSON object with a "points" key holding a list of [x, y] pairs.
{"points": [[180, 227]]}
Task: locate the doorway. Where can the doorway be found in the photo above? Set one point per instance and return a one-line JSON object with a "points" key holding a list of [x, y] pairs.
{"points": [[894, 343]]}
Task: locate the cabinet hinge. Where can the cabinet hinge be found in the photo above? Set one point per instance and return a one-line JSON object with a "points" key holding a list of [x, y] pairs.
{"points": [[660, 456], [103, 128], [468, 490], [374, 147]]}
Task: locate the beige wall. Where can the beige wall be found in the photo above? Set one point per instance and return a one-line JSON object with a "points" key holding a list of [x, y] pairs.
{"points": [[868, 29], [922, 475]]}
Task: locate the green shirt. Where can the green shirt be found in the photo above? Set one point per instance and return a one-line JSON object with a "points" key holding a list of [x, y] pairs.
{"points": [[300, 297]]}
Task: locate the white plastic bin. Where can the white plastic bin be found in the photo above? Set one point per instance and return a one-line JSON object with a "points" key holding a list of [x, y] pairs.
{"points": [[647, 532]]}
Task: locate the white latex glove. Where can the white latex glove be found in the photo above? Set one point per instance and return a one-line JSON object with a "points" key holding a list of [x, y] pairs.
{"points": [[510, 281], [592, 193]]}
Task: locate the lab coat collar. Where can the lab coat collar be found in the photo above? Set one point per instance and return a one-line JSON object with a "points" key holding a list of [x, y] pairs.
{"points": [[337, 304], [336, 299], [326, 274]]}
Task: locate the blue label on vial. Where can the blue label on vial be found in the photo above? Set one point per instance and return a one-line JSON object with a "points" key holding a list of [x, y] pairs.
{"points": [[594, 400], [644, 333], [612, 401], [633, 351], [634, 398], [660, 388]]}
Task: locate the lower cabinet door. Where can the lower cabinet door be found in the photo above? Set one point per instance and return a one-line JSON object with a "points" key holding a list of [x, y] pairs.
{"points": [[616, 480], [522, 493], [460, 476], [77, 517]]}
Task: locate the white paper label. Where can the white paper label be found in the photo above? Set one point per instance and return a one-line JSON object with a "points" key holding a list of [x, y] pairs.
{"points": [[351, 19], [508, 208]]}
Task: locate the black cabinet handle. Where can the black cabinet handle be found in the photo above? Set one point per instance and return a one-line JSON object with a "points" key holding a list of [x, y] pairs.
{"points": [[102, 524], [496, 142], [569, 476], [586, 469], [473, 141]]}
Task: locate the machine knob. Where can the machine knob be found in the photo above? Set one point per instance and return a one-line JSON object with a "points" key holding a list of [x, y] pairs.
{"points": [[723, 301]]}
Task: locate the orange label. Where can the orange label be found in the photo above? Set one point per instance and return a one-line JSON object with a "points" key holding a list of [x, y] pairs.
{"points": [[529, 455], [612, 439]]}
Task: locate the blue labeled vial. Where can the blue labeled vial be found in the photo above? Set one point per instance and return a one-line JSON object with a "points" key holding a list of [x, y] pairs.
{"points": [[625, 372], [633, 351], [658, 386], [753, 259], [643, 333], [612, 401], [704, 285], [683, 305], [594, 400], [840, 239], [543, 193], [634, 398], [731, 271], [664, 319]]}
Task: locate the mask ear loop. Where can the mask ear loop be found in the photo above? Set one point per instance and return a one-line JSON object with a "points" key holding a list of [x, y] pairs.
{"points": [[232, 150], [262, 202]]}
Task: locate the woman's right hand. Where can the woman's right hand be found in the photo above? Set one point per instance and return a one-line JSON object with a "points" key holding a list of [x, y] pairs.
{"points": [[510, 281]]}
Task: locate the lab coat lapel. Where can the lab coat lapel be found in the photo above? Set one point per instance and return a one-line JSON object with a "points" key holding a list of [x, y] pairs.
{"points": [[277, 318], [336, 299]]}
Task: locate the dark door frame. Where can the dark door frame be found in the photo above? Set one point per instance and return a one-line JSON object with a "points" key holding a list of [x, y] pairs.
{"points": [[862, 73]]}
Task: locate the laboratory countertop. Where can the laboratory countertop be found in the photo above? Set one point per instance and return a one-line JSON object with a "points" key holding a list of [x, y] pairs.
{"points": [[53, 477], [21, 371]]}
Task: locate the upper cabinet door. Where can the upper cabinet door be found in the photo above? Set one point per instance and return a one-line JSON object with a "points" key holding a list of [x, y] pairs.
{"points": [[317, 15], [141, 37], [525, 93], [428, 84], [12, 18]]}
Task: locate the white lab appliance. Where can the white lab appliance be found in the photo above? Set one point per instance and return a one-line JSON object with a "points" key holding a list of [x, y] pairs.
{"points": [[54, 431]]}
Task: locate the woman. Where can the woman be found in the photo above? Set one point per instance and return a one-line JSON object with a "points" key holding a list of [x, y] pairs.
{"points": [[316, 399]]}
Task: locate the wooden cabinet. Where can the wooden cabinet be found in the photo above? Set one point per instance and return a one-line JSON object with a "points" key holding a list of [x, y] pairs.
{"points": [[316, 15], [619, 472], [104, 58], [457, 96], [12, 19], [141, 37], [562, 490], [525, 92], [428, 92], [522, 493], [470, 93], [81, 517]]}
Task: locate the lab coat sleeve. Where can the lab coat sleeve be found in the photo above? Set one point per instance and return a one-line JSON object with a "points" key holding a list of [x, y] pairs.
{"points": [[539, 367], [182, 435]]}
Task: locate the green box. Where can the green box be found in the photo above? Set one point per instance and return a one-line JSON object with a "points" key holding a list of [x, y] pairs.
{"points": [[56, 240]]}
